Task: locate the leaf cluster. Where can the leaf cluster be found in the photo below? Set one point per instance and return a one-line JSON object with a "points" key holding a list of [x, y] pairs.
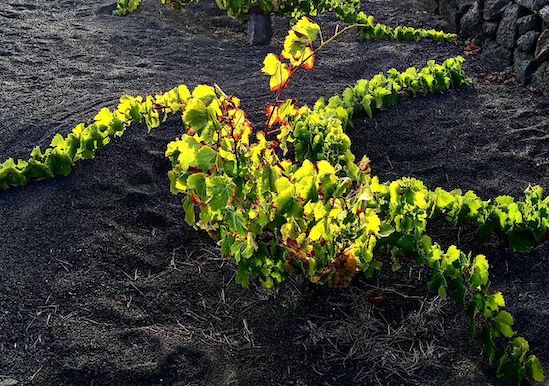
{"points": [[525, 223], [86, 139], [274, 216], [370, 30], [406, 206]]}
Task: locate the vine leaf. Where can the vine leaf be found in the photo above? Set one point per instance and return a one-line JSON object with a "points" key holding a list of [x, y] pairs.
{"points": [[278, 71], [206, 158], [504, 324], [221, 190], [534, 369]]}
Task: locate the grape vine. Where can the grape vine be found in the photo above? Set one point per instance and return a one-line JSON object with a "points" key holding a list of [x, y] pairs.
{"points": [[325, 217], [86, 139], [321, 214], [346, 10]]}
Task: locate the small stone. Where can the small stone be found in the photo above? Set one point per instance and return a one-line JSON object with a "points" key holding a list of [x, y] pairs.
{"points": [[507, 31], [490, 28], [525, 64], [544, 13], [471, 22], [496, 57], [528, 23], [540, 79], [9, 382], [527, 42], [542, 48], [493, 8], [260, 30], [532, 5]]}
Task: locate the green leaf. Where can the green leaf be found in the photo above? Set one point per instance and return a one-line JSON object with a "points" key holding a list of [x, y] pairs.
{"points": [[504, 200], [197, 182], [318, 231], [328, 185], [306, 170], [442, 292], [308, 28], [503, 323], [188, 206], [444, 199], [59, 142], [196, 115], [324, 168], [515, 216], [285, 197], [534, 370], [479, 276], [278, 71], [512, 364], [493, 303], [305, 188], [487, 340], [386, 230], [221, 190], [267, 180], [188, 149], [205, 94], [236, 222], [250, 246], [37, 170], [59, 164], [206, 158], [227, 242], [367, 101]]}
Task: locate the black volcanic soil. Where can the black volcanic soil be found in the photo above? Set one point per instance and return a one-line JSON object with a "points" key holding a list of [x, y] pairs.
{"points": [[101, 283]]}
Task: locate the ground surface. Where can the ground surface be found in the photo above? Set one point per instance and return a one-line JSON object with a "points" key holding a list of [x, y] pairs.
{"points": [[102, 284]]}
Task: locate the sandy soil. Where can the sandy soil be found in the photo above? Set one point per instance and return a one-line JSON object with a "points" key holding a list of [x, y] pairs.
{"points": [[101, 283]]}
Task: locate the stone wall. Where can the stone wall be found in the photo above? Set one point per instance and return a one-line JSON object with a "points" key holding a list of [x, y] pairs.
{"points": [[513, 34]]}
